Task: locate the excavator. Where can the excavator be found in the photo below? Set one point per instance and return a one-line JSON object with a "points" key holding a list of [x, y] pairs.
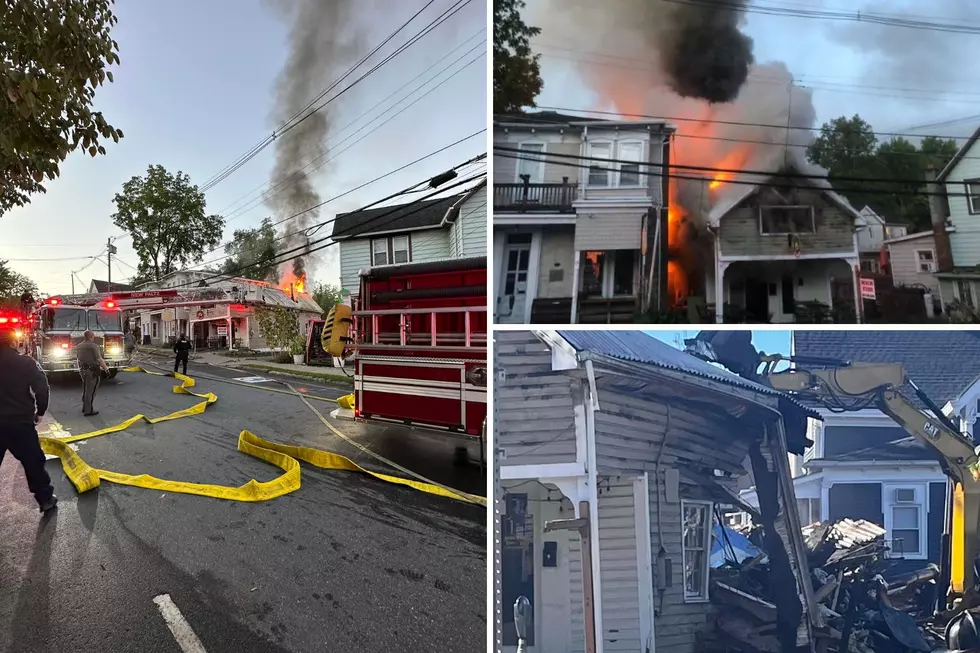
{"points": [[842, 386]]}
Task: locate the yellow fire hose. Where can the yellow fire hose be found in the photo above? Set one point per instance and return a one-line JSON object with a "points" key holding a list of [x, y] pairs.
{"points": [[85, 477]]}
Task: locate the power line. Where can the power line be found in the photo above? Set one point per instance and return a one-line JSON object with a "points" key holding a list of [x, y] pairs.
{"points": [[47, 260], [266, 196], [741, 182]]}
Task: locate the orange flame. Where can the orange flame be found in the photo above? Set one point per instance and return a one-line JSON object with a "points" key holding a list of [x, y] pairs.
{"points": [[290, 282]]}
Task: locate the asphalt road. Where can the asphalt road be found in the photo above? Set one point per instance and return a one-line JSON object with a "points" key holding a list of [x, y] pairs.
{"points": [[347, 562]]}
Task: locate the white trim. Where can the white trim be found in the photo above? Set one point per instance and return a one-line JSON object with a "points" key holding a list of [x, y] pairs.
{"points": [[372, 234], [708, 522], [593, 493], [921, 234], [644, 561], [921, 504], [563, 354], [932, 264], [594, 161], [640, 163], [532, 219], [861, 464], [615, 205], [542, 472], [542, 160], [533, 270], [788, 257]]}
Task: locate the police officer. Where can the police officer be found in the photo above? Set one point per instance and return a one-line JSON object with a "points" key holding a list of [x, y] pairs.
{"points": [[182, 348], [90, 367], [23, 401]]}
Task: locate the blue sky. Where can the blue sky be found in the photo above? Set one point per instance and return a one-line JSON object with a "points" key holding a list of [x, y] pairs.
{"points": [[194, 92], [771, 342]]}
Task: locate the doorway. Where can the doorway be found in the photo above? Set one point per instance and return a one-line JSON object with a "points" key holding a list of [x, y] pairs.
{"points": [[756, 301], [512, 302], [517, 565]]}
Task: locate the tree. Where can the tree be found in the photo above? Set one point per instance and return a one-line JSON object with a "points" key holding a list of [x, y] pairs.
{"points": [[327, 296], [13, 285], [165, 215], [55, 56], [253, 253], [279, 325], [516, 71]]}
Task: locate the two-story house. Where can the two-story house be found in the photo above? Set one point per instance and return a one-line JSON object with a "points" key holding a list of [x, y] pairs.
{"points": [[415, 232], [780, 245], [862, 464], [956, 224], [612, 451], [573, 237]]}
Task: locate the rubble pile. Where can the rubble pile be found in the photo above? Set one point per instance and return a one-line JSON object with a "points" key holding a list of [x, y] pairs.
{"points": [[851, 601]]}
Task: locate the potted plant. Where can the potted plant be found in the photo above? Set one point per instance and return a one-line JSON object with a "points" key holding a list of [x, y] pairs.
{"points": [[298, 349]]}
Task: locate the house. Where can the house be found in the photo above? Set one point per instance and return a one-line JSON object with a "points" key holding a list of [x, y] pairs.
{"points": [[612, 451], [862, 464], [956, 224], [431, 230], [873, 231], [573, 241], [914, 261], [227, 323], [777, 247], [97, 286]]}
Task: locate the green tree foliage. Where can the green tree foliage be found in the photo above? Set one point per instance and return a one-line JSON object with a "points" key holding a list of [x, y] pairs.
{"points": [[279, 326], [849, 148], [165, 215], [327, 296], [13, 285], [516, 71], [55, 56], [252, 253]]}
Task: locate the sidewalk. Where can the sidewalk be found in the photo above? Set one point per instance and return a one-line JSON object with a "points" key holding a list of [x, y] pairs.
{"points": [[333, 375]]}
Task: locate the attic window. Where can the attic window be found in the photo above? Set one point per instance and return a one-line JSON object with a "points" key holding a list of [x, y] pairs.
{"points": [[973, 195], [783, 220]]}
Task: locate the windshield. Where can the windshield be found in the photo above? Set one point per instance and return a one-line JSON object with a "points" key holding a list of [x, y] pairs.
{"points": [[64, 319], [105, 320]]}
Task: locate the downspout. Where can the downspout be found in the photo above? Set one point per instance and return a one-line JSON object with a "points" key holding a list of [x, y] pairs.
{"points": [[591, 568]]}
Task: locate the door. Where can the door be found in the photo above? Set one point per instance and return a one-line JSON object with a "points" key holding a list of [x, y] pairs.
{"points": [[756, 300], [512, 300]]}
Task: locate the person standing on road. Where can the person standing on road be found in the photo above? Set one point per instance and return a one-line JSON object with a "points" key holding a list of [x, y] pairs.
{"points": [[182, 348], [91, 365], [24, 398]]}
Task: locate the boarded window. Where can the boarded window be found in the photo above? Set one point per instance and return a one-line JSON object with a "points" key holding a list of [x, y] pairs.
{"points": [[696, 527], [782, 220]]}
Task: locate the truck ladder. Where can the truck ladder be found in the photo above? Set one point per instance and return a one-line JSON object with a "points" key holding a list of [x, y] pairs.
{"points": [[420, 327]]}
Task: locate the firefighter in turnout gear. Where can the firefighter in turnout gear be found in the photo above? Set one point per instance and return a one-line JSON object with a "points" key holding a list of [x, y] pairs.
{"points": [[24, 397], [182, 348], [91, 365]]}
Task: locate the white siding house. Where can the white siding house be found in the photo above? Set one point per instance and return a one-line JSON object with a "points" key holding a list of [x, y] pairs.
{"points": [[468, 236], [914, 261], [961, 180]]}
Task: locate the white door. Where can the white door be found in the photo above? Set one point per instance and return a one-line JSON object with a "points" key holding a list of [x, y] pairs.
{"points": [[512, 299]]}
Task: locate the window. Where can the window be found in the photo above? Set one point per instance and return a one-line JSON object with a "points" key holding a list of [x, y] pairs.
{"points": [[608, 274], [600, 171], [964, 289], [782, 220], [809, 511], [696, 529], [871, 266], [973, 195], [905, 520], [394, 249], [533, 165], [629, 173], [926, 260]]}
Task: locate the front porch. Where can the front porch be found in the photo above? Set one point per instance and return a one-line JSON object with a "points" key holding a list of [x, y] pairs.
{"points": [[791, 290]]}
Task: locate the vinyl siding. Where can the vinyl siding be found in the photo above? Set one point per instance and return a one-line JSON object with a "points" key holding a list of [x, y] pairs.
{"points": [[468, 235], [617, 561], [739, 231], [557, 262], [605, 231], [430, 245], [905, 262], [538, 425], [355, 255], [965, 242], [576, 589]]}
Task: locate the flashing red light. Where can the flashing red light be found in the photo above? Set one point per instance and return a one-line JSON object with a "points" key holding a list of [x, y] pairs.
{"points": [[53, 302], [3, 320], [15, 320], [64, 345], [110, 304]]}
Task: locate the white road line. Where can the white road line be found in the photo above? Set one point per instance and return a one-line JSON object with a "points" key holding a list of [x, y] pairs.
{"points": [[182, 632]]}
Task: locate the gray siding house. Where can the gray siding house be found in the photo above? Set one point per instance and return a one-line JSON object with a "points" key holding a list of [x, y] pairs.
{"points": [[612, 450]]}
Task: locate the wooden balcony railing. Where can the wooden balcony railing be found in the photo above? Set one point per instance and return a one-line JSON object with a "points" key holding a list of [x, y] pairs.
{"points": [[534, 198]]}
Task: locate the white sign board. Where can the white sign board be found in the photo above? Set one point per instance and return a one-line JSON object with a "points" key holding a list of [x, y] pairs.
{"points": [[222, 330], [868, 289]]}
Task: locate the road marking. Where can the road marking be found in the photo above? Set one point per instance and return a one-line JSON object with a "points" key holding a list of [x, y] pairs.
{"points": [[182, 631], [253, 379]]}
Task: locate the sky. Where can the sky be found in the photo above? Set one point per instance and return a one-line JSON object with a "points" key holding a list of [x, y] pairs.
{"points": [[195, 90], [895, 78], [769, 341]]}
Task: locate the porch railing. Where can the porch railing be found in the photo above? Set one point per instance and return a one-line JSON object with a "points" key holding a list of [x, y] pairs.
{"points": [[526, 197]]}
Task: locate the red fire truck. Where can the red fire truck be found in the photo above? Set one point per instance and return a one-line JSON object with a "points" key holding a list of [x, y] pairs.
{"points": [[419, 343], [56, 325]]}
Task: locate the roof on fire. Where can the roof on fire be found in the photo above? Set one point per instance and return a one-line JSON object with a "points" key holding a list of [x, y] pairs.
{"points": [[638, 347]]}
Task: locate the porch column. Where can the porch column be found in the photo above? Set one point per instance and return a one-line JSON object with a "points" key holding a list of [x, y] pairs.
{"points": [[720, 268], [855, 264], [576, 273], [231, 337]]}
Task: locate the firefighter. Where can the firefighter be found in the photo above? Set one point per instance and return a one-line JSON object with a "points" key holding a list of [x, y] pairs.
{"points": [[91, 365], [182, 348], [23, 401]]}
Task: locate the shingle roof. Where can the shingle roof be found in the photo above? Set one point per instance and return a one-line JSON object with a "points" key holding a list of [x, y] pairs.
{"points": [[941, 363], [960, 154], [103, 286], [638, 347], [413, 215], [539, 117]]}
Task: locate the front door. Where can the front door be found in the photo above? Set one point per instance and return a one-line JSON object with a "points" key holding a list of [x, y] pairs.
{"points": [[512, 299], [756, 301]]}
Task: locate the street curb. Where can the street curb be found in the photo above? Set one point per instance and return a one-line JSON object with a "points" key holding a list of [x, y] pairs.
{"points": [[327, 379]]}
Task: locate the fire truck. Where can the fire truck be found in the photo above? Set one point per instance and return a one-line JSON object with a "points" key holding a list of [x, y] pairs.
{"points": [[417, 336], [56, 325]]}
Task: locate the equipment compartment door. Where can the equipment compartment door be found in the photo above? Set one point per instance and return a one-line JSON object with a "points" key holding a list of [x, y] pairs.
{"points": [[411, 391]]}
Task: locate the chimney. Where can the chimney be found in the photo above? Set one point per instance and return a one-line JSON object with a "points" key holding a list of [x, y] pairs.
{"points": [[939, 212]]}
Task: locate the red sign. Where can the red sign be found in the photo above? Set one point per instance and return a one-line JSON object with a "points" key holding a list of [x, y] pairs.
{"points": [[145, 294]]}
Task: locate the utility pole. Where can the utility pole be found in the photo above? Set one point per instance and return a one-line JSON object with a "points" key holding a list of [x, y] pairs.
{"points": [[110, 250]]}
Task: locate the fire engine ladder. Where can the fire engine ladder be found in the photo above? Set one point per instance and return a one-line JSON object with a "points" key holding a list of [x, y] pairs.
{"points": [[381, 331]]}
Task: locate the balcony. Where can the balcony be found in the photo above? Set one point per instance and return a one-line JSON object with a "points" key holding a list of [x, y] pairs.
{"points": [[534, 198]]}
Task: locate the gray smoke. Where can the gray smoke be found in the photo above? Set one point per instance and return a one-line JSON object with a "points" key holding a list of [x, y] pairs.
{"points": [[323, 43]]}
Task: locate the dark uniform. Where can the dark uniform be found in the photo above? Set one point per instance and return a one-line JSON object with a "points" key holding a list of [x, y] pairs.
{"points": [[90, 368], [183, 350], [23, 401]]}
